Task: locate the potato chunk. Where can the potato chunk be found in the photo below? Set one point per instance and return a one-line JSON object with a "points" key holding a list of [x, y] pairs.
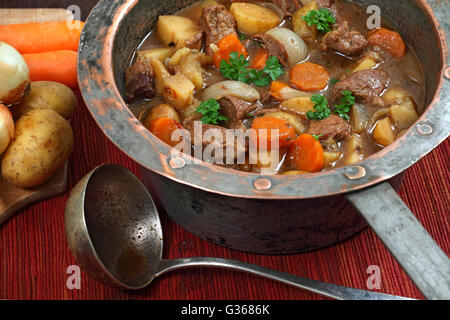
{"points": [[178, 90], [404, 115], [300, 105], [252, 18], [300, 26], [383, 133], [158, 53], [330, 157], [352, 152], [177, 30]]}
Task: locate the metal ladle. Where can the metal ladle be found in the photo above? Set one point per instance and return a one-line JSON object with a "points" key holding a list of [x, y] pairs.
{"points": [[114, 231]]}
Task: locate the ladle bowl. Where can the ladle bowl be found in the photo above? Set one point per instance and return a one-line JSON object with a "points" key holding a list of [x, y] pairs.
{"points": [[114, 231]]}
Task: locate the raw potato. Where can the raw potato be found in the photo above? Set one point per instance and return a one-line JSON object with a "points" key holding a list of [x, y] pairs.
{"points": [[252, 18], [161, 111], [300, 105], [292, 119], [6, 128], [383, 133], [158, 53], [43, 142], [300, 26], [178, 90], [176, 30], [47, 95]]}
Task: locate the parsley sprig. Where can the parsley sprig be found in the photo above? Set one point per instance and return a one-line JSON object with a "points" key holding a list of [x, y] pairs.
{"points": [[237, 68], [347, 102], [210, 112], [322, 111], [322, 19], [321, 108]]}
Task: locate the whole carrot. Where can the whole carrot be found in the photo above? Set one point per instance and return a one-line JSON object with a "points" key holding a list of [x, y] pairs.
{"points": [[37, 37], [59, 66]]}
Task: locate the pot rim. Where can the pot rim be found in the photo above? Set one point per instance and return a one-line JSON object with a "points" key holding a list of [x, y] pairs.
{"points": [[106, 105]]}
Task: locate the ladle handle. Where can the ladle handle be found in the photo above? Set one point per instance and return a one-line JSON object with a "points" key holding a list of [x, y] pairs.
{"points": [[325, 289], [412, 246]]}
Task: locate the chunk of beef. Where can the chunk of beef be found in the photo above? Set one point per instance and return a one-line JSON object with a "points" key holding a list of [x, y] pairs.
{"points": [[273, 47], [235, 109], [198, 134], [195, 42], [366, 86], [139, 82], [217, 22], [287, 6], [344, 40], [332, 127]]}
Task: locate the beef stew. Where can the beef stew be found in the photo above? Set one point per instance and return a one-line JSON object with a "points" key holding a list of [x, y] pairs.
{"points": [[334, 92]]}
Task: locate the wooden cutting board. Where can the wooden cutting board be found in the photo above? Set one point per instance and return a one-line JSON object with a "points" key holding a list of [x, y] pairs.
{"points": [[14, 199]]}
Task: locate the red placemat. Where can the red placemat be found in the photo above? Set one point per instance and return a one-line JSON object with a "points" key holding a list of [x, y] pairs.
{"points": [[34, 256]]}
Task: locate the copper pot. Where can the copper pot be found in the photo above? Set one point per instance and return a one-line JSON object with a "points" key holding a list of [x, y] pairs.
{"points": [[277, 214]]}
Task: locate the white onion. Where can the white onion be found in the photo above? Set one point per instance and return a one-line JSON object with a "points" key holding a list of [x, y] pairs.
{"points": [[289, 93], [6, 128], [296, 48], [14, 75], [231, 88]]}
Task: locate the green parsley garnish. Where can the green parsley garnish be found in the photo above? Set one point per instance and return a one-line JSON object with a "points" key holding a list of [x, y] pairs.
{"points": [[210, 112], [347, 102], [321, 107], [237, 68], [322, 19]]}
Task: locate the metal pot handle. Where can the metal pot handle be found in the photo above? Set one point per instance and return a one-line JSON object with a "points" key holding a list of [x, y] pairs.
{"points": [[416, 251]]}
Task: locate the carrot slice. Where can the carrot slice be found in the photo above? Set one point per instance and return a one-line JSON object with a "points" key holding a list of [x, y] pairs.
{"points": [[226, 46], [259, 61], [37, 37], [163, 129], [388, 40], [59, 66], [309, 76], [306, 154], [275, 88], [263, 127]]}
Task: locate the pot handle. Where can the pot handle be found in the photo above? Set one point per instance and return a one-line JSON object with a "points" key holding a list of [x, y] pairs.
{"points": [[416, 251]]}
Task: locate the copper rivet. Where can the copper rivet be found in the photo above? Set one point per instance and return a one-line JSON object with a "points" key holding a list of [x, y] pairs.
{"points": [[177, 162], [355, 173], [447, 73], [424, 129], [262, 184]]}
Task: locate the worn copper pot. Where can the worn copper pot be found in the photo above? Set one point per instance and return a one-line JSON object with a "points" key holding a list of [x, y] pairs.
{"points": [[276, 214]]}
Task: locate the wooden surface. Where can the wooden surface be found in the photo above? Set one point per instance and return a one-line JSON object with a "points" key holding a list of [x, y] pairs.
{"points": [[13, 199], [12, 16]]}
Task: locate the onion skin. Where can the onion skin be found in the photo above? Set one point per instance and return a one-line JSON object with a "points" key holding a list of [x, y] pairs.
{"points": [[14, 75], [6, 128]]}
